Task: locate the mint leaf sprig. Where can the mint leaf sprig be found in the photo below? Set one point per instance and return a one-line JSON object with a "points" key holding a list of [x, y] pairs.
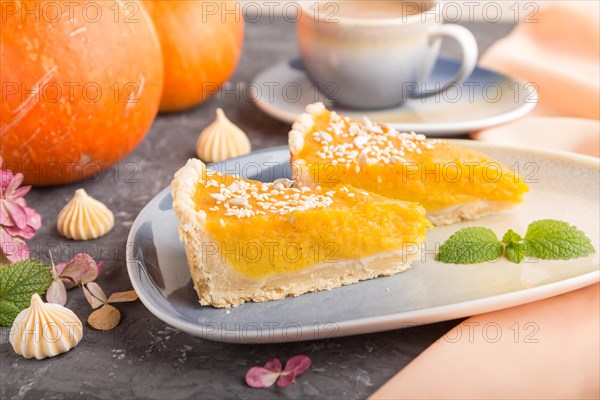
{"points": [[545, 239], [514, 248], [556, 240], [470, 246], [18, 282]]}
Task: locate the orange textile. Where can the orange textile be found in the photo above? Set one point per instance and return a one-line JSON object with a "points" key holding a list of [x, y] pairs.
{"points": [[560, 358]]}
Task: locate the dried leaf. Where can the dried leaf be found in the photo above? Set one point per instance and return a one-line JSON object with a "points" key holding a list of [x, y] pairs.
{"points": [[122, 297], [57, 293], [260, 377], [80, 270], [273, 365], [59, 267], [99, 266], [294, 367], [96, 291], [298, 364], [105, 318], [94, 294], [286, 379]]}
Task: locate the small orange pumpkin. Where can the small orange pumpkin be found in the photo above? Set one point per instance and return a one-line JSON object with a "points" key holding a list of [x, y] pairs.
{"points": [[80, 86], [201, 43]]}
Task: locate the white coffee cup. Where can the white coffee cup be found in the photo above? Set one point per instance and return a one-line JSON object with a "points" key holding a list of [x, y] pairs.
{"points": [[377, 54]]}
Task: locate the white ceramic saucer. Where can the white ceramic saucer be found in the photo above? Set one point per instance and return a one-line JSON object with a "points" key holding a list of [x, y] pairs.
{"points": [[486, 99]]}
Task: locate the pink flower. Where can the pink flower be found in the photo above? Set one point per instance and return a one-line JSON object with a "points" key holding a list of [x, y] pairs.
{"points": [[261, 377], [17, 221], [80, 270]]}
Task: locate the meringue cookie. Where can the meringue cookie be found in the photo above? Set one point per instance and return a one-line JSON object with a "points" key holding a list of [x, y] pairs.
{"points": [[45, 330], [84, 218], [221, 140]]}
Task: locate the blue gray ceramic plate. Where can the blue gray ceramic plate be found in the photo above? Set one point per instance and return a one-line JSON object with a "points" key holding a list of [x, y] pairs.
{"points": [[563, 186], [485, 99]]}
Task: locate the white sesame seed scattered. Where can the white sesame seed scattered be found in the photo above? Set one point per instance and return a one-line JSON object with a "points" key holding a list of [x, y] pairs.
{"points": [[239, 201], [363, 158], [385, 145], [324, 136], [360, 141], [218, 196], [243, 199], [283, 183]]}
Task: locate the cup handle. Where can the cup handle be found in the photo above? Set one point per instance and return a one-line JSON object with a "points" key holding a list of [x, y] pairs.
{"points": [[468, 45]]}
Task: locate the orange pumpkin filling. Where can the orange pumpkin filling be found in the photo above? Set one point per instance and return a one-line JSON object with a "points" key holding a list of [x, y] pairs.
{"points": [[266, 228], [407, 166]]}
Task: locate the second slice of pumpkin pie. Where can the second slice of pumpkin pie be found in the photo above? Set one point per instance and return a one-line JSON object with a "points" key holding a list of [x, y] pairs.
{"points": [[452, 183]]}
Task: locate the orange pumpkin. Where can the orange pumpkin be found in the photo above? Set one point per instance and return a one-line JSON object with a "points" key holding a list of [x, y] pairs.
{"points": [[201, 43], [80, 86]]}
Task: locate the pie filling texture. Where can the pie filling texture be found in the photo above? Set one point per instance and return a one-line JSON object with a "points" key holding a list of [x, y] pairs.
{"points": [[329, 149], [269, 228]]}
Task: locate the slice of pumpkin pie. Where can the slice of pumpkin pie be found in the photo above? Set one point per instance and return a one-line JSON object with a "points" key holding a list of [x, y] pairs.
{"points": [[251, 241], [452, 183]]}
